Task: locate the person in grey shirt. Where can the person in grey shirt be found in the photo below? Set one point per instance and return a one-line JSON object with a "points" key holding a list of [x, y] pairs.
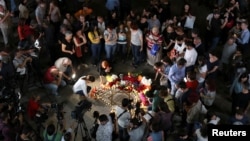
{"points": [[40, 12]]}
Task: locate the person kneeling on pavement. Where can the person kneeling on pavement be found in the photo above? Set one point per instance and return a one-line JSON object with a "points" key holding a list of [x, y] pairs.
{"points": [[53, 79], [81, 86]]}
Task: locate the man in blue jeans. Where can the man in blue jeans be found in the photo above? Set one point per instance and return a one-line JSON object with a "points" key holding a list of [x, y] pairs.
{"points": [[53, 79]]}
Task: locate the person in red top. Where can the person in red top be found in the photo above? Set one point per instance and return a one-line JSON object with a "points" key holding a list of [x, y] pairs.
{"points": [[191, 81], [34, 106], [24, 32], [53, 79]]}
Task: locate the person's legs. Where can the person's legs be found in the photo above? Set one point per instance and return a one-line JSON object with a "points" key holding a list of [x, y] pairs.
{"points": [[113, 51], [52, 88], [108, 49], [94, 53], [5, 34]]}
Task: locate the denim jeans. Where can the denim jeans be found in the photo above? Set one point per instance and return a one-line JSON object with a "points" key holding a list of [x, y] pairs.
{"points": [[136, 53], [52, 88], [215, 41], [122, 50], [110, 51], [96, 52], [123, 134]]}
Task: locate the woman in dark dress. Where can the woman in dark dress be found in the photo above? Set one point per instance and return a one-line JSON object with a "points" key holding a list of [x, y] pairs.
{"points": [[67, 47]]}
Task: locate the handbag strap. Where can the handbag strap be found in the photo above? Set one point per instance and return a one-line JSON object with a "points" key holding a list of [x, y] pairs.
{"points": [[121, 114]]}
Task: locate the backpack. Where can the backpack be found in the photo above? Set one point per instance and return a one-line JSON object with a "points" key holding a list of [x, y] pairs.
{"points": [[155, 48]]}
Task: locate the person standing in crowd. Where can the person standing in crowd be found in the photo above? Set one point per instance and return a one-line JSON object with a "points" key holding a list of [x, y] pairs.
{"points": [[190, 56], [176, 74], [95, 38], [67, 47], [80, 42], [110, 37], [201, 71], [199, 46], [208, 93], [136, 40], [243, 39], [5, 24], [229, 49], [123, 117], [81, 86], [216, 26], [154, 38], [122, 41], [23, 10], [105, 128], [40, 12], [55, 15], [136, 128], [213, 65]]}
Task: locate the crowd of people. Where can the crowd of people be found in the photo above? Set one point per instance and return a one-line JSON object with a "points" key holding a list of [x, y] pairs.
{"points": [[187, 63]]}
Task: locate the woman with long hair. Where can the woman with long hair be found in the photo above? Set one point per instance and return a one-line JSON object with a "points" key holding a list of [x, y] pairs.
{"points": [[95, 37], [80, 41]]}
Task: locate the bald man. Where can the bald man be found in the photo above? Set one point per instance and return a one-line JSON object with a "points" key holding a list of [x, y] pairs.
{"points": [[53, 79]]}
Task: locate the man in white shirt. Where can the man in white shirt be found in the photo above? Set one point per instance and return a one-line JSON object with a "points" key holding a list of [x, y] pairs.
{"points": [[105, 128], [190, 56], [64, 64], [81, 87], [123, 117]]}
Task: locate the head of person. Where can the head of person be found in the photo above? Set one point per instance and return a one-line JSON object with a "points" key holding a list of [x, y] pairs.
{"points": [[191, 75], [125, 102], [91, 78], [182, 85], [66, 62], [134, 123], [103, 119], [134, 26], [243, 78], [167, 61], [244, 24], [189, 45], [51, 129], [42, 4], [110, 28], [36, 97], [216, 14], [105, 64], [197, 41], [179, 40], [82, 18], [195, 33], [67, 136], [100, 19], [155, 30], [181, 62], [231, 40], [54, 71], [68, 35]]}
